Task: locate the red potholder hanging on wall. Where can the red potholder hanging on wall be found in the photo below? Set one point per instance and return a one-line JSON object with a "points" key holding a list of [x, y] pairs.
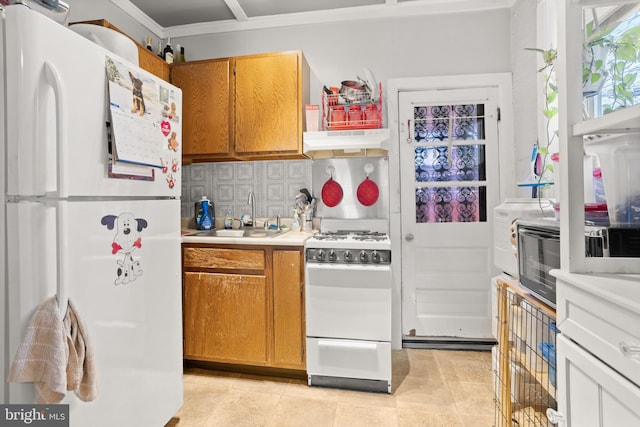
{"points": [[331, 193], [368, 192]]}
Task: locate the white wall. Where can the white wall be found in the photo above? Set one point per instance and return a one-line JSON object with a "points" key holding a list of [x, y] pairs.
{"points": [[524, 65], [399, 47]]}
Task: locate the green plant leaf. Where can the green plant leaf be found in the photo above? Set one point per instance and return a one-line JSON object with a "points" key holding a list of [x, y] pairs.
{"points": [[595, 77], [551, 97], [632, 34], [626, 53], [550, 112], [549, 167], [629, 79]]}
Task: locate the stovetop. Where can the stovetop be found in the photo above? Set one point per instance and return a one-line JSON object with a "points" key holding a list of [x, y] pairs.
{"points": [[352, 233], [350, 241]]}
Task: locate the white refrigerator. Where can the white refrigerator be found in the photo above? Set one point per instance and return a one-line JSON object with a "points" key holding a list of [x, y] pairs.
{"points": [[107, 238]]}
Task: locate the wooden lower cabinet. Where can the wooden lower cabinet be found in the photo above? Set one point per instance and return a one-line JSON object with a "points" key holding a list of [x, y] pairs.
{"points": [[225, 317], [244, 306], [288, 307]]}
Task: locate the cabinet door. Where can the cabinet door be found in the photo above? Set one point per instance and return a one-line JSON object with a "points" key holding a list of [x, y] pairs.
{"points": [[288, 309], [591, 393], [268, 104], [206, 107], [225, 317]]}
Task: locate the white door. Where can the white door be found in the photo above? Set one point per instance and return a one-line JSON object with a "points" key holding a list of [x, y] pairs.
{"points": [[119, 263], [57, 110], [449, 186]]}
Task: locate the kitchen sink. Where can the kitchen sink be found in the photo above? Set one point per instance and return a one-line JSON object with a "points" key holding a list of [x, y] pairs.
{"points": [[243, 232]]}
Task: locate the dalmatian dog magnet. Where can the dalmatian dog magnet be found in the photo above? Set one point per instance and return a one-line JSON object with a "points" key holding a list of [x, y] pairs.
{"points": [[126, 241]]}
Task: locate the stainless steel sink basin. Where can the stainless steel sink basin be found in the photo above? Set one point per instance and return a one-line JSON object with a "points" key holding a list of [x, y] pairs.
{"points": [[243, 232]]}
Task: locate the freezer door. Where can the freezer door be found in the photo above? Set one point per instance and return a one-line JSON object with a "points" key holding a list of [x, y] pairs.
{"points": [[57, 108], [119, 264]]}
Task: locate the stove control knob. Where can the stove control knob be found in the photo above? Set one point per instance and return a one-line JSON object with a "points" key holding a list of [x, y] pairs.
{"points": [[363, 256], [332, 255], [348, 256], [320, 255], [375, 256]]}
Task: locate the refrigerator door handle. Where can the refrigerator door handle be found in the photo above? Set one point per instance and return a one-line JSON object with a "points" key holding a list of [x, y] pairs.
{"points": [[54, 79], [61, 258]]}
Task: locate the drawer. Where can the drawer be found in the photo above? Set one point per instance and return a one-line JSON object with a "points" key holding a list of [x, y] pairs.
{"points": [[349, 358], [606, 328], [226, 259]]}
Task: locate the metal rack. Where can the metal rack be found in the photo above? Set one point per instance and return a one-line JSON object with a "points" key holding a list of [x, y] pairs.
{"points": [[524, 360], [337, 111]]}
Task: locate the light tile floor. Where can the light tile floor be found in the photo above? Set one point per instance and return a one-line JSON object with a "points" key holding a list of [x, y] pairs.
{"points": [[430, 388]]}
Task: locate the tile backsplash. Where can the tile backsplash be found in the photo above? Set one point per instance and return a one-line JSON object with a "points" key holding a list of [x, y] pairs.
{"points": [[275, 184]]}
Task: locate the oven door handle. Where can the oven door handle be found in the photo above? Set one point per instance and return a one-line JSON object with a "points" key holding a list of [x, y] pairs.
{"points": [[333, 266], [351, 345]]}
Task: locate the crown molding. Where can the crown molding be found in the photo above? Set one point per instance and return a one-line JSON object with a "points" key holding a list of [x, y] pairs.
{"points": [[391, 9], [141, 17]]}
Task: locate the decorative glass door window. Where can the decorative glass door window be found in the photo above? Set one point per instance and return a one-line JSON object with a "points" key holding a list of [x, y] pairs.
{"points": [[450, 171]]}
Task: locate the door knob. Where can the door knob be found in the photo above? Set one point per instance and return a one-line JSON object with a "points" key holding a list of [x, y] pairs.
{"points": [[408, 237]]}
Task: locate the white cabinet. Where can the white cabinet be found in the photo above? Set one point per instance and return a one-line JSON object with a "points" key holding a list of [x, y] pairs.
{"points": [[598, 350], [572, 129], [596, 395], [598, 307]]}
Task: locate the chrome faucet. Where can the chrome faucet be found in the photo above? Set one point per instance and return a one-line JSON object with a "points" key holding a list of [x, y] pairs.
{"points": [[266, 222], [252, 202]]}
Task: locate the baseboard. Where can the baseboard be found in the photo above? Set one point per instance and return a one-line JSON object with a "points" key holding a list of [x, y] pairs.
{"points": [[448, 343]]}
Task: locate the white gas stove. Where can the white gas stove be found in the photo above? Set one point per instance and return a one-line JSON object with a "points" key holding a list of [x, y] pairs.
{"points": [[348, 305]]}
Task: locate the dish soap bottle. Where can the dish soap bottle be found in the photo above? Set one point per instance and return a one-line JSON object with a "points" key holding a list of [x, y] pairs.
{"points": [[228, 220], [204, 216]]}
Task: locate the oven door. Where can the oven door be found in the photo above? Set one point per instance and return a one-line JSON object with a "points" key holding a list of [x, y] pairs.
{"points": [[538, 254], [348, 301]]}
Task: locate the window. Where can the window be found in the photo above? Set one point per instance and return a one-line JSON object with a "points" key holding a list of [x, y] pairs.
{"points": [[617, 31], [449, 156]]}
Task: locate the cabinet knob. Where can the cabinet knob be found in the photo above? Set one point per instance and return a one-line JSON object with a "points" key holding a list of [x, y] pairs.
{"points": [[555, 417], [629, 350], [408, 237]]}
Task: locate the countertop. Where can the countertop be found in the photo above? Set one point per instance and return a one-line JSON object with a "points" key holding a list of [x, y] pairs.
{"points": [[621, 289], [287, 238]]}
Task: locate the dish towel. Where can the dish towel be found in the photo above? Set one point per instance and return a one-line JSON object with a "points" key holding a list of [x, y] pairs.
{"points": [[56, 354]]}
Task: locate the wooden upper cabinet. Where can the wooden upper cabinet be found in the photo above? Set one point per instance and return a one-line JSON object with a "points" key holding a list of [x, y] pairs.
{"points": [[153, 63], [270, 93], [206, 108], [269, 100]]}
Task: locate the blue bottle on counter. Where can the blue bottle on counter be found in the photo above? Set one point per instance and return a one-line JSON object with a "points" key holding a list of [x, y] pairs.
{"points": [[205, 217]]}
